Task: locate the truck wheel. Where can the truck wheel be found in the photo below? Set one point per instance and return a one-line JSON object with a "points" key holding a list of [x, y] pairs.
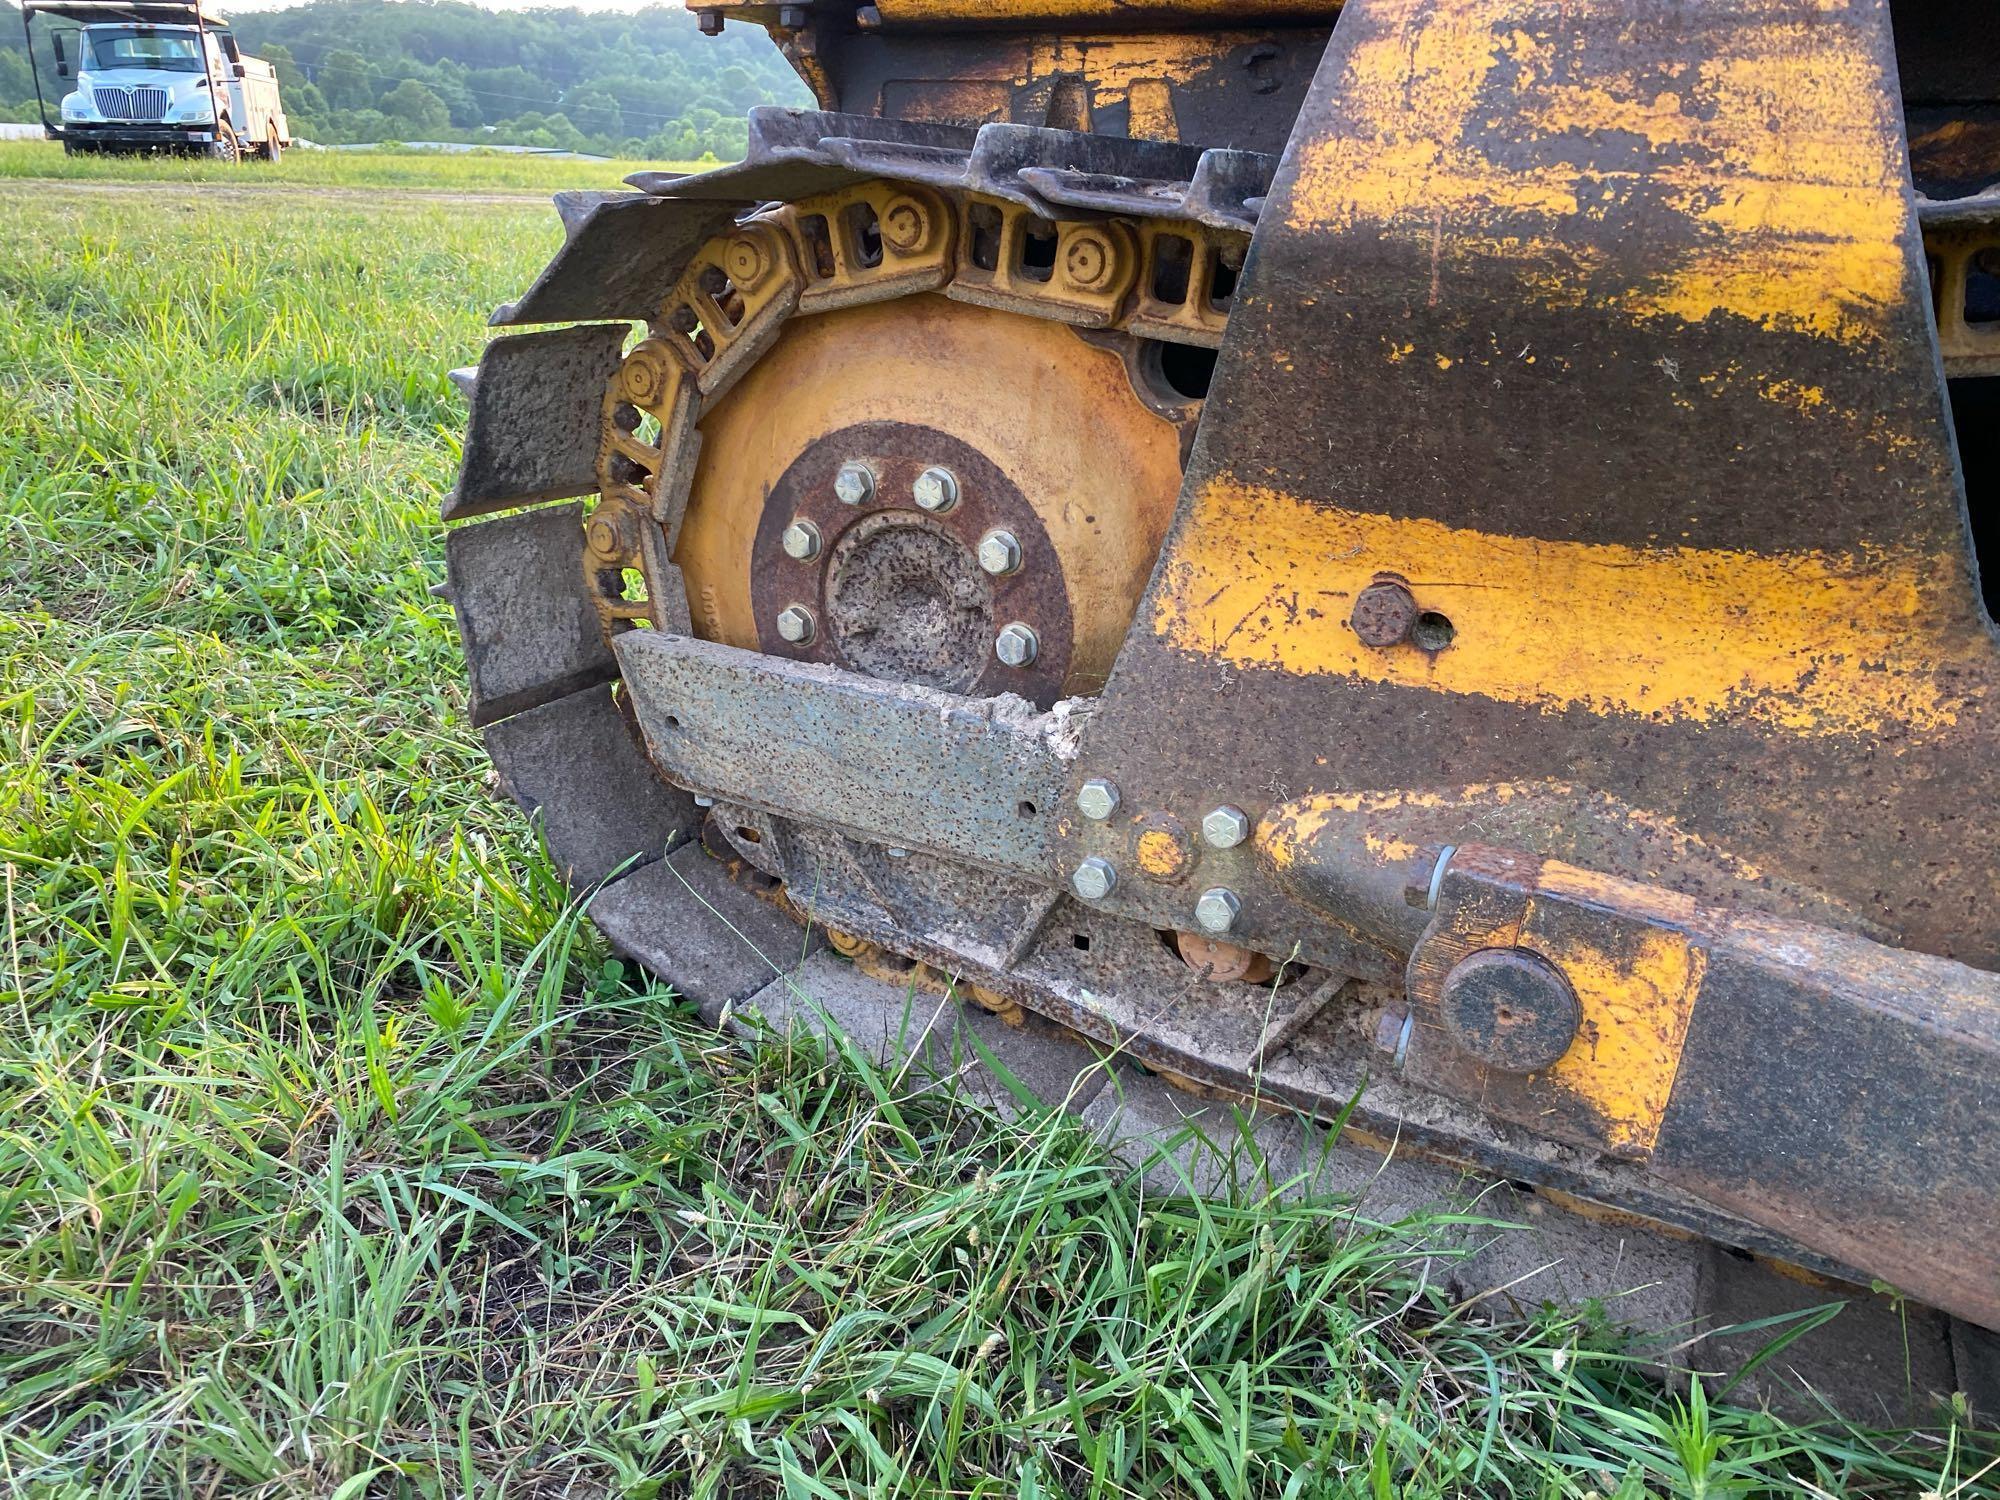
{"points": [[225, 146], [274, 149]]}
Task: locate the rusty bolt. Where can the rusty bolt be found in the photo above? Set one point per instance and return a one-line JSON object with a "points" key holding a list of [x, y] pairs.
{"points": [[1384, 613], [1097, 799], [1000, 553], [936, 489], [626, 417], [1217, 909], [1088, 260], [1094, 879], [606, 534], [801, 541], [906, 226], [795, 624], [854, 484], [1017, 645], [1510, 1009], [1225, 827], [746, 262]]}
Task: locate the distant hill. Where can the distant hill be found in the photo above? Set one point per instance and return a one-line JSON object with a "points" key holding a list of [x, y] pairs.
{"points": [[643, 83]]}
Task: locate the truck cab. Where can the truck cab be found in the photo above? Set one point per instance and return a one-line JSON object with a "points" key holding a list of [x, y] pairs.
{"points": [[160, 76]]}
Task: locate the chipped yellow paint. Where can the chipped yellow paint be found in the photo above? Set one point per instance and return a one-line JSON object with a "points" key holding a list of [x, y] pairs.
{"points": [[1297, 823], [1811, 643], [1636, 1004], [1095, 12], [1151, 105], [1775, 172], [1161, 855]]}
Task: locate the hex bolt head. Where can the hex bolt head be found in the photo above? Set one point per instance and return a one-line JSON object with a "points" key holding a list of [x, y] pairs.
{"points": [[935, 490], [1225, 827], [1017, 645], [1384, 613], [854, 484], [1217, 909], [795, 624], [801, 541], [1097, 799], [1094, 879], [1000, 553]]}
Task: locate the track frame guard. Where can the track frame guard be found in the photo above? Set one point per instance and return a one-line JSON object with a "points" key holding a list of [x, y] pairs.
{"points": [[1603, 332]]}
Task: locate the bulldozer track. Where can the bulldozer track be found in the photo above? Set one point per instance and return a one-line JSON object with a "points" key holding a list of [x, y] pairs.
{"points": [[581, 629]]}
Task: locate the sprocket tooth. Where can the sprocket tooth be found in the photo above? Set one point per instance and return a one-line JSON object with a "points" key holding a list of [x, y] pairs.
{"points": [[622, 255], [711, 939], [530, 631], [533, 432], [575, 765]]}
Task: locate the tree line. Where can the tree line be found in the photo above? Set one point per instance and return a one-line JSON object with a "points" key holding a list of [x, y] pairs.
{"points": [[634, 83]]}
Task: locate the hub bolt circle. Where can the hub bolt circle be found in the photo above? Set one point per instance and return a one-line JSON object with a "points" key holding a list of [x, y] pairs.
{"points": [[1000, 553], [854, 484], [795, 624], [935, 490], [1217, 909], [1017, 645], [1097, 799], [1094, 879], [801, 541]]}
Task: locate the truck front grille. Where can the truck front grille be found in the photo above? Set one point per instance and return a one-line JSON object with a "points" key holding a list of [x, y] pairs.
{"points": [[131, 104]]}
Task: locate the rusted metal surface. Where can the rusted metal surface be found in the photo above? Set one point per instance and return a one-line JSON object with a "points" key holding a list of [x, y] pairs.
{"points": [[576, 768], [530, 633], [1681, 483], [622, 252], [1553, 512], [877, 759], [899, 591], [532, 433]]}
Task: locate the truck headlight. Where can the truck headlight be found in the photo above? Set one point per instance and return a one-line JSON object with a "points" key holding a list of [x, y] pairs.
{"points": [[192, 111], [76, 107]]}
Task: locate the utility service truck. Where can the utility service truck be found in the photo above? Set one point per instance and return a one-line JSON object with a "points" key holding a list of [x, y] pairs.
{"points": [[156, 75]]}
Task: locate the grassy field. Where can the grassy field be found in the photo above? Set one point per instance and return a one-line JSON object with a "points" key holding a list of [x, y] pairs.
{"points": [[474, 172], [338, 1159]]}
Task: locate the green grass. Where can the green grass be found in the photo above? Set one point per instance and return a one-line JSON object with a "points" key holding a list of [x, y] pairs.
{"points": [[336, 1158], [482, 172]]}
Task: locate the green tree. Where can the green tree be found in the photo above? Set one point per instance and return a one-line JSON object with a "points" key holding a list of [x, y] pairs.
{"points": [[349, 80], [593, 109], [411, 103]]}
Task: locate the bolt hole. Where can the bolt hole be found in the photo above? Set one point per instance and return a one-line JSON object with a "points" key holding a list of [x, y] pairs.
{"points": [[1173, 265], [864, 234], [985, 222], [1025, 809], [1080, 941], [1503, 1015], [1433, 631], [1177, 372], [1221, 282], [819, 245], [1038, 250], [673, 721]]}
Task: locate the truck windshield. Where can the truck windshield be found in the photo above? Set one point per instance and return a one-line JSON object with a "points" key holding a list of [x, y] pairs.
{"points": [[144, 47]]}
